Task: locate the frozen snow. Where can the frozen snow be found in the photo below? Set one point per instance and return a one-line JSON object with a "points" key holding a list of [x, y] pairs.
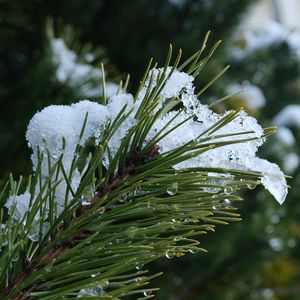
{"points": [[21, 203], [242, 156], [178, 85], [273, 179], [57, 129], [239, 156]]}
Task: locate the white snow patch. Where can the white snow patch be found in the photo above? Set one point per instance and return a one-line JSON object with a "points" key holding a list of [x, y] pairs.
{"points": [[273, 33], [82, 76], [273, 179], [290, 162], [21, 203], [56, 130], [288, 116], [251, 95], [285, 136]]}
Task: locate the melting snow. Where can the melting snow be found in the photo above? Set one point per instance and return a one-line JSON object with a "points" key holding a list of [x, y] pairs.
{"points": [[49, 127]]}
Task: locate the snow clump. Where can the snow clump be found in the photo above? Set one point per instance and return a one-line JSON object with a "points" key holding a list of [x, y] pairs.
{"points": [[55, 131], [77, 74]]}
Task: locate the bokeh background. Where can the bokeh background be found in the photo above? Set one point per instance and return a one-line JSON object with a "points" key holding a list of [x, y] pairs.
{"points": [[51, 53]]}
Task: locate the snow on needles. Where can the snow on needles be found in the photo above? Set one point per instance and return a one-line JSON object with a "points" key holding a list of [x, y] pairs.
{"points": [[56, 131], [84, 77]]}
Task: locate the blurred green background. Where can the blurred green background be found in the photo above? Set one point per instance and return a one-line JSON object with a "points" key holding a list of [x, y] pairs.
{"points": [[257, 258]]}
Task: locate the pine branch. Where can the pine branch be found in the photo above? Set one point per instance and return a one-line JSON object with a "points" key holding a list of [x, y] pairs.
{"points": [[141, 207]]}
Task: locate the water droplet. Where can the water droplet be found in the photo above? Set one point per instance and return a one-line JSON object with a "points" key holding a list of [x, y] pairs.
{"points": [[151, 205], [139, 266], [251, 186], [228, 190], [147, 293], [214, 207], [177, 238], [85, 200], [34, 235], [193, 251], [94, 291], [137, 279], [173, 189], [15, 257], [170, 254], [109, 244], [121, 200], [175, 207], [101, 210], [48, 269], [211, 190], [132, 231], [104, 284], [227, 201]]}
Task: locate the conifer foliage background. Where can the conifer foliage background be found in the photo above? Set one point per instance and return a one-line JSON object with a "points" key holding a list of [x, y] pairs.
{"points": [[240, 263]]}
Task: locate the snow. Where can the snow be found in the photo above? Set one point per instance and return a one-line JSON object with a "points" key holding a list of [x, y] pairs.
{"points": [[239, 156], [82, 76], [272, 34], [66, 122], [21, 203], [56, 130], [252, 96], [68, 67], [290, 162], [178, 85], [288, 116], [285, 136], [273, 179]]}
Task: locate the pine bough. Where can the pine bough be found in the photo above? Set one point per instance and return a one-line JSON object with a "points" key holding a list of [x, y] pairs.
{"points": [[119, 184]]}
